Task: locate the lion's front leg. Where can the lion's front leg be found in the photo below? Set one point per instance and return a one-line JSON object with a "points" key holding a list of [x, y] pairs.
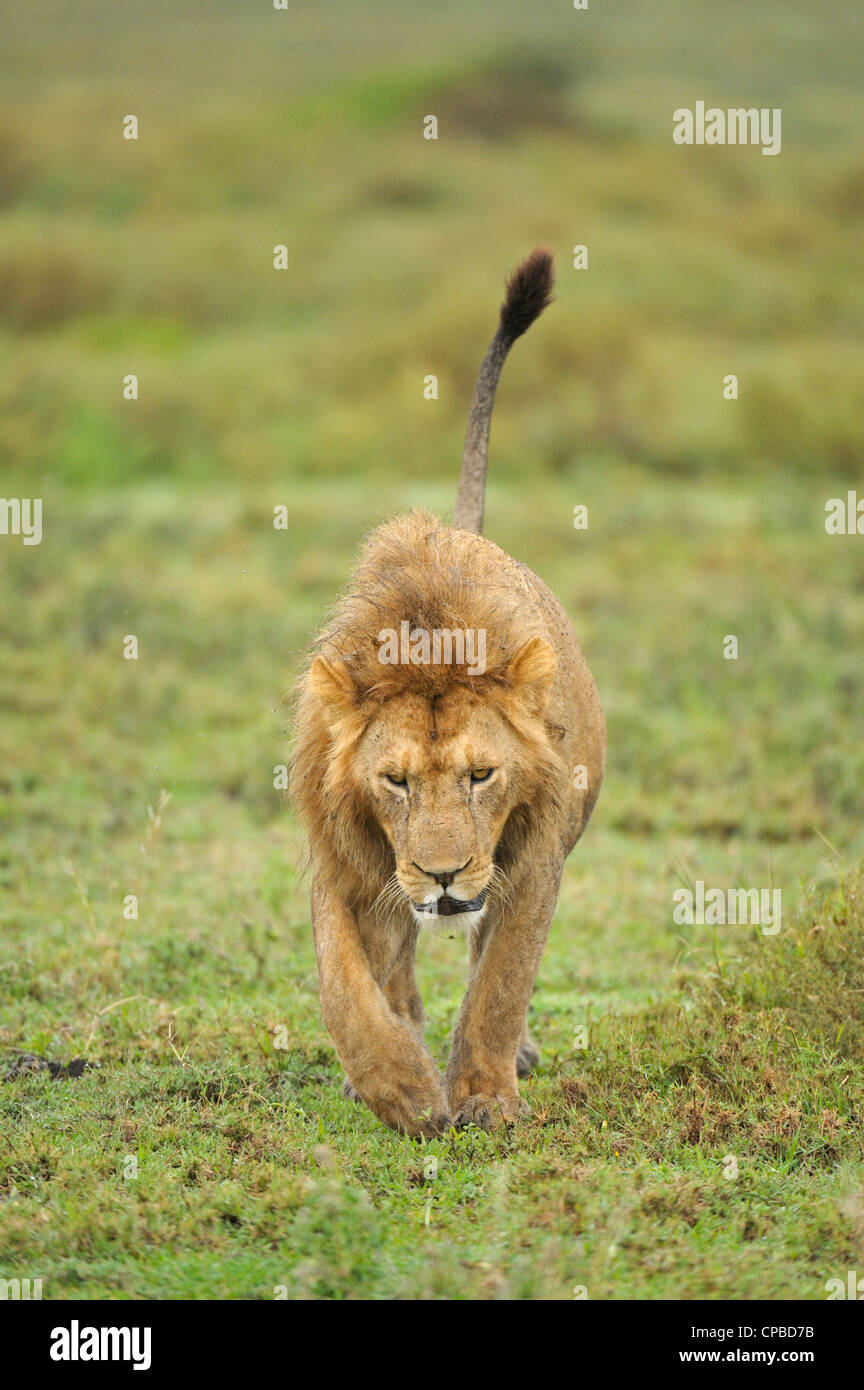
{"points": [[384, 1060], [402, 995], [482, 1080]]}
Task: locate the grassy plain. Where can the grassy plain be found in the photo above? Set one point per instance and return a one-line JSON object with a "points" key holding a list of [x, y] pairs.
{"points": [[305, 387]]}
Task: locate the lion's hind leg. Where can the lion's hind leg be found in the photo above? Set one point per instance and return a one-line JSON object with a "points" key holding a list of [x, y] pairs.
{"points": [[528, 1053]]}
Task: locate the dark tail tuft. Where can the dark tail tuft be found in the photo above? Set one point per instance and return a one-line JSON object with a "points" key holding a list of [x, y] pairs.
{"points": [[529, 290]]}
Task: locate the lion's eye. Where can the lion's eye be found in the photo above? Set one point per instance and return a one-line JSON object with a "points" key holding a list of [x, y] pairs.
{"points": [[482, 774], [400, 782]]}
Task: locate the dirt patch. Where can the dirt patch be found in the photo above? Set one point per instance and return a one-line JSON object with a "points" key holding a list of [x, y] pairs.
{"points": [[27, 1062]]}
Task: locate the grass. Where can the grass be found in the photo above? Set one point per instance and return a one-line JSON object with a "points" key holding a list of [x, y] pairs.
{"points": [[207, 1151], [210, 1154]]}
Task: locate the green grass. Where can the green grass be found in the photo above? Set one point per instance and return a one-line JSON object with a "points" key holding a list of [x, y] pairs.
{"points": [[253, 1173], [706, 518]]}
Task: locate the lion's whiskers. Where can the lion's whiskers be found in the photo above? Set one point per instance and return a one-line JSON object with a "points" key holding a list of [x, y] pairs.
{"points": [[500, 887], [388, 901]]}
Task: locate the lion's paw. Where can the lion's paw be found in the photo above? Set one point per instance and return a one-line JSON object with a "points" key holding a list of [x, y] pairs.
{"points": [[487, 1112], [416, 1110], [423, 1118]]}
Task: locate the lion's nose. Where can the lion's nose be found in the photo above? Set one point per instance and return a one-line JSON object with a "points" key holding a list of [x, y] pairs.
{"points": [[443, 876]]}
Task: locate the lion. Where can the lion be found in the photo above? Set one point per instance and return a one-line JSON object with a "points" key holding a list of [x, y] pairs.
{"points": [[450, 788]]}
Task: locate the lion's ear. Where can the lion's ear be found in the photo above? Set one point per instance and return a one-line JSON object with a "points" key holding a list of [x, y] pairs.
{"points": [[530, 672], [331, 682]]}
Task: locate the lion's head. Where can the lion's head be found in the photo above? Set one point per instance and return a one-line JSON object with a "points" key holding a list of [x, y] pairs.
{"points": [[419, 779]]}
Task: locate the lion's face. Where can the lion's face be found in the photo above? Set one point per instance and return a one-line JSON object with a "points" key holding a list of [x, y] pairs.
{"points": [[442, 775], [442, 779]]}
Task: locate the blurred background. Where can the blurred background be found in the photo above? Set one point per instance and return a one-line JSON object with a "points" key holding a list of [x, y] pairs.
{"points": [[304, 387]]}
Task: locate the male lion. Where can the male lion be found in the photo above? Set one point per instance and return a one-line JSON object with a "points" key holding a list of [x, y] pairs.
{"points": [[433, 788]]}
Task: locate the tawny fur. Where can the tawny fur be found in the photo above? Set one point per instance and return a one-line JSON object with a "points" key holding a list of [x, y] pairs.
{"points": [[533, 716]]}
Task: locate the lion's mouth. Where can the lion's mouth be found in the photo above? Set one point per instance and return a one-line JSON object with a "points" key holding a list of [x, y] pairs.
{"points": [[449, 907]]}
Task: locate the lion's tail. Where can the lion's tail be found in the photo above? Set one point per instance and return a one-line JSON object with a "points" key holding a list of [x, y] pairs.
{"points": [[529, 290]]}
